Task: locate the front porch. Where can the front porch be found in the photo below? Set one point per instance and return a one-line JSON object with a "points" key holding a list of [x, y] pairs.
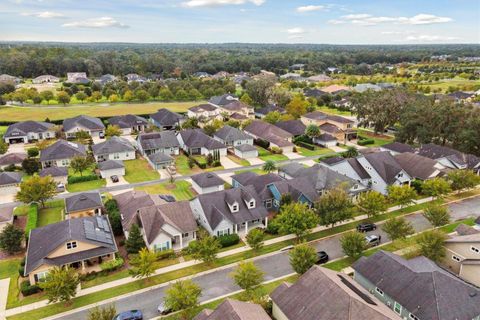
{"points": [[243, 228]]}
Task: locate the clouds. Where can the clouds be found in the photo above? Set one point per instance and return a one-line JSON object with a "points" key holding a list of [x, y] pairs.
{"points": [[296, 33], [429, 38], [102, 22], [216, 3], [310, 8], [364, 19], [44, 14]]}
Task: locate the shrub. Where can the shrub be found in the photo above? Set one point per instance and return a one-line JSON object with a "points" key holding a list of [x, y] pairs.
{"points": [[364, 142], [229, 240], [306, 145], [32, 218], [276, 150], [111, 265], [21, 270], [32, 152], [262, 143], [167, 254], [302, 138], [77, 179], [217, 163], [28, 289], [417, 185], [272, 227]]}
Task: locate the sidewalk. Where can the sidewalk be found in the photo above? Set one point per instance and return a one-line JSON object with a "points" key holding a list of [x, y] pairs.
{"points": [[4, 284]]}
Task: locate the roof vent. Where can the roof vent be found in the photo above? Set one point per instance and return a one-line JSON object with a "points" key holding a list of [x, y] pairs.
{"points": [[209, 175], [472, 294], [83, 197]]}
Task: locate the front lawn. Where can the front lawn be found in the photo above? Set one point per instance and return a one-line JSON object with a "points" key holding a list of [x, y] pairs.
{"points": [[335, 111], [53, 212], [379, 140], [181, 162], [139, 170], [266, 155], [86, 186], [317, 152], [237, 160], [181, 190]]}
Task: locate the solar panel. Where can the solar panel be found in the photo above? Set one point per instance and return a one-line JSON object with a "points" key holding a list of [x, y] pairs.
{"points": [[97, 234]]}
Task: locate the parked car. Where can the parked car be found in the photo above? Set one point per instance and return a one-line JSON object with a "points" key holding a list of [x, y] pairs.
{"points": [[101, 135], [366, 226], [129, 315], [167, 197], [60, 187], [114, 179], [322, 257], [373, 240], [162, 309]]}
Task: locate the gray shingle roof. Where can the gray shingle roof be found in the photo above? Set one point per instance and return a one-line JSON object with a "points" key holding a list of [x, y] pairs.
{"points": [[12, 158], [269, 132], [166, 117], [203, 107], [228, 133], [416, 166], [422, 287], [259, 182], [295, 127], [318, 115], [6, 213], [158, 140], [234, 310], [207, 179], [245, 148], [128, 121], [222, 100], [88, 122], [10, 178], [110, 164], [236, 106], [62, 150], [54, 172], [83, 201], [44, 240], [112, 145], [434, 151], [160, 157], [270, 108], [398, 147], [196, 138], [24, 127], [385, 164]]}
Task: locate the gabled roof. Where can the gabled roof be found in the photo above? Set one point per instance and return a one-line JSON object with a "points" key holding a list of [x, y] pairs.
{"points": [[160, 157], [463, 230], [322, 294], [6, 213], [234, 310], [110, 164], [196, 138], [422, 287], [313, 92], [24, 127], [207, 179], [460, 95], [203, 107], [12, 158], [83, 201], [54, 172], [166, 117], [295, 127], [236, 106], [127, 121], [398, 147], [87, 122], [296, 188], [385, 165], [259, 182], [112, 145], [10, 178], [270, 108], [158, 140], [269, 132], [246, 148], [417, 166], [222, 100], [62, 150], [44, 240], [434, 151], [334, 88], [465, 234], [318, 115], [228, 133]]}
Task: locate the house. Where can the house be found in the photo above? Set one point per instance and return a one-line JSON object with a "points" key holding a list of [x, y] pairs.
{"points": [[83, 204], [325, 140], [60, 153], [272, 134], [339, 127], [133, 77], [115, 148], [106, 78], [362, 87], [158, 142], [6, 216], [234, 310], [222, 100], [342, 104], [314, 93], [295, 127], [463, 254], [82, 243], [109, 168], [292, 76], [319, 78], [202, 74], [335, 89], [297, 66], [204, 112], [47, 78], [160, 160], [323, 294], [232, 137], [207, 182], [397, 147], [93, 126], [168, 226], [349, 167], [10, 159], [196, 142], [230, 211], [246, 151], [9, 78], [262, 112], [129, 123], [28, 131], [417, 288], [166, 119], [59, 174], [460, 96], [419, 167], [9, 182], [77, 78], [449, 157], [237, 110]]}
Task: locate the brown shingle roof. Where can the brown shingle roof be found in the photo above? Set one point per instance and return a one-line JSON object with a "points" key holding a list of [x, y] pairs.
{"points": [[234, 310]]}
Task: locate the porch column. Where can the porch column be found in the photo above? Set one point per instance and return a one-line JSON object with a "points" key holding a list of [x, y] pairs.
{"points": [[181, 242], [246, 227], [83, 264], [266, 222]]}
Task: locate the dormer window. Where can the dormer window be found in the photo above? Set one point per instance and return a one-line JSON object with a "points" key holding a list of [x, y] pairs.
{"points": [[71, 245], [251, 204]]}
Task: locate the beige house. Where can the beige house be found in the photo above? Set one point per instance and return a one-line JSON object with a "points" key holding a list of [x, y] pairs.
{"points": [[82, 244], [341, 128], [87, 204], [463, 254]]}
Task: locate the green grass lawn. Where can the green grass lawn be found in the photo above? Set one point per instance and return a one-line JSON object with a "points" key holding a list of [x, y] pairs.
{"points": [[181, 190], [53, 212], [379, 140], [87, 185], [257, 171], [40, 113], [335, 111], [181, 163], [443, 85], [317, 152], [139, 170], [3, 129], [237, 160], [266, 155]]}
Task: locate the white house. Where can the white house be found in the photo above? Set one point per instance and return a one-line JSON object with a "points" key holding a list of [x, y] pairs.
{"points": [[115, 148], [93, 126], [246, 151], [61, 153], [110, 168], [196, 142], [28, 131], [207, 182]]}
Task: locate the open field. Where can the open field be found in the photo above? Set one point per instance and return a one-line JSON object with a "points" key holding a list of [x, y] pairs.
{"points": [[443, 85], [96, 110]]}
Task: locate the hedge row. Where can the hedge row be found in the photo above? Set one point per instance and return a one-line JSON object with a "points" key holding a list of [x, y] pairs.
{"points": [[32, 219], [27, 289], [228, 240], [77, 179], [306, 145], [111, 265]]}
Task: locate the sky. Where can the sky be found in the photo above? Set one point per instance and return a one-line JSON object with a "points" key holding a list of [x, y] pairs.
{"points": [[251, 21]]}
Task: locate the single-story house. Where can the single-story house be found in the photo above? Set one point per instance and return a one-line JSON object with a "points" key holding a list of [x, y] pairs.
{"points": [[262, 112], [60, 153], [110, 168], [325, 140], [47, 78], [83, 204], [6, 216], [8, 78], [160, 160], [93, 126], [106, 78], [115, 148], [9, 182], [78, 243], [207, 182], [133, 77], [196, 142], [234, 309], [158, 142], [295, 127], [129, 123], [335, 89], [77, 78], [397, 147], [362, 87], [15, 158], [268, 132], [28, 131], [232, 137], [314, 93], [59, 174], [246, 151], [166, 119]]}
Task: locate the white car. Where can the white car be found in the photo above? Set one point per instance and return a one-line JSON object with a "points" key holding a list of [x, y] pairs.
{"points": [[373, 240]]}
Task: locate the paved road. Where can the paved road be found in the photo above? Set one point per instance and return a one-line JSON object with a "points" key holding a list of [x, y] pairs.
{"points": [[219, 283]]}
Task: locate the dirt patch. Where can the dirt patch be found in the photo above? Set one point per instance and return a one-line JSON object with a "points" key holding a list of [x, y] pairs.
{"points": [[171, 186], [20, 222]]}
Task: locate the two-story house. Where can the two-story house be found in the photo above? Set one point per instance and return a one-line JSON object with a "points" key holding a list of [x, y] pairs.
{"points": [[275, 136], [450, 158], [341, 128], [204, 112]]}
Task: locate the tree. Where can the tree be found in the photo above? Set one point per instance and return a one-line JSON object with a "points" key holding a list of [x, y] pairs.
{"points": [[46, 96], [372, 203], [144, 264], [37, 189], [82, 136], [272, 117], [80, 164], [255, 239], [436, 187], [182, 296], [437, 215], [334, 206], [141, 95], [11, 239], [296, 218], [351, 152], [205, 249], [312, 131], [247, 276], [31, 165], [398, 228], [81, 96], [60, 284], [402, 195], [113, 131], [297, 106], [128, 96], [96, 95], [134, 241], [190, 123], [3, 146], [260, 90], [431, 245], [353, 244], [246, 99], [302, 258], [63, 97], [106, 313], [269, 166], [463, 179]]}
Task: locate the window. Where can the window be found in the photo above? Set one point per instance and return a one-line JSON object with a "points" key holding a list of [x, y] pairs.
{"points": [[41, 276], [276, 203], [223, 232], [268, 203], [235, 208], [185, 235], [455, 258], [162, 246], [397, 308], [413, 317], [379, 291], [116, 156], [475, 249], [251, 204], [65, 162], [71, 245]]}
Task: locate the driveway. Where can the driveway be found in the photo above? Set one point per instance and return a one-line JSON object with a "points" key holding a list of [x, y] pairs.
{"points": [[465, 209], [309, 163], [227, 177], [227, 163], [336, 149], [293, 155], [8, 197], [16, 148], [121, 181], [255, 161]]}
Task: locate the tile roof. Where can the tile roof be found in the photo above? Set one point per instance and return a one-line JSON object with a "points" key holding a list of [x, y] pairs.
{"points": [[62, 150], [24, 127], [158, 140], [420, 286], [228, 133], [295, 127], [166, 117], [54, 172], [234, 310], [12, 158], [83, 201], [196, 138], [10, 178], [84, 121], [127, 121], [207, 179], [112, 145]]}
